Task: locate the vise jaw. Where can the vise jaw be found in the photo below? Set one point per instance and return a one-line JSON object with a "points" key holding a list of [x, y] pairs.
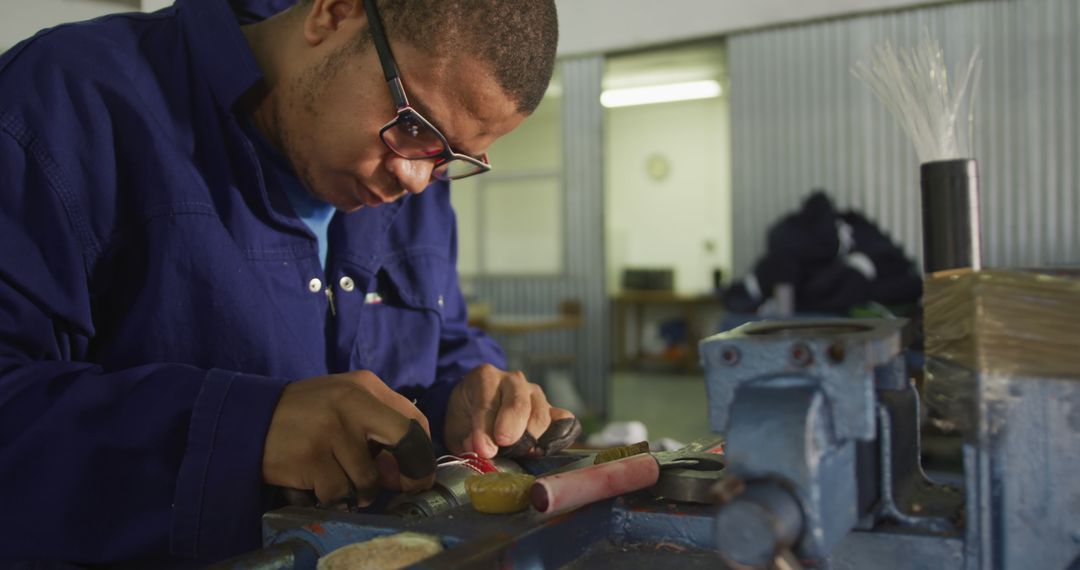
{"points": [[793, 399], [847, 359]]}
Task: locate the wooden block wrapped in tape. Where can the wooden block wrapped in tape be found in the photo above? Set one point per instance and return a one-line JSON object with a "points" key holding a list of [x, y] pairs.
{"points": [[1010, 322], [994, 325]]}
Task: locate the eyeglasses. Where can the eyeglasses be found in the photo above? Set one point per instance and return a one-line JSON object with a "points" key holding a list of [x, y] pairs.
{"points": [[409, 134]]}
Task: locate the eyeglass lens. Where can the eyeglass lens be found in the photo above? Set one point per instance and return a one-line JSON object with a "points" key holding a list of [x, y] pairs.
{"points": [[414, 139]]}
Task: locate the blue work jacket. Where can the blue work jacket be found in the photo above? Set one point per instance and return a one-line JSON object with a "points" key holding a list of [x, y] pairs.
{"points": [[157, 292]]}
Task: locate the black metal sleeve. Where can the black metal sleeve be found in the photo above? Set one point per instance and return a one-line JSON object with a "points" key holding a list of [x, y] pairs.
{"points": [[950, 211]]}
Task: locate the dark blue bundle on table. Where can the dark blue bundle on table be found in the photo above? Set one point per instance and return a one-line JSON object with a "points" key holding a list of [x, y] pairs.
{"points": [[835, 261]]}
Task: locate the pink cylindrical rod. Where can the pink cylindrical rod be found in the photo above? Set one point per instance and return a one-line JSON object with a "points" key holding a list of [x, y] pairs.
{"points": [[570, 490]]}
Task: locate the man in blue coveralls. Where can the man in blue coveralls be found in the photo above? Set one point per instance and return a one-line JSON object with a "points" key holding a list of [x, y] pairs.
{"points": [[227, 265]]}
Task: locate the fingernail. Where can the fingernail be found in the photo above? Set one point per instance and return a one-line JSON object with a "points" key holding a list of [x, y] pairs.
{"points": [[504, 439]]}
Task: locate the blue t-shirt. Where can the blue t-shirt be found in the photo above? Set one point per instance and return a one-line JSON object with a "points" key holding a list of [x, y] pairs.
{"points": [[315, 213]]}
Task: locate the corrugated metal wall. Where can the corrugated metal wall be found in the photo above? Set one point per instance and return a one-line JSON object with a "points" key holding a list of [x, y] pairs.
{"points": [[801, 120], [582, 127]]}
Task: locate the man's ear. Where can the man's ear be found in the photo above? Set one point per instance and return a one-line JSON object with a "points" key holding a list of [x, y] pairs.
{"points": [[325, 17]]}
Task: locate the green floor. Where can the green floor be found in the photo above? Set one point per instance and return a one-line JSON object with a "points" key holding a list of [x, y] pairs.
{"points": [[670, 405]]}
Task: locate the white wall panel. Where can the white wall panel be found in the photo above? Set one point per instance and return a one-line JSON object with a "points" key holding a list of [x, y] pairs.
{"points": [[601, 26], [800, 120]]}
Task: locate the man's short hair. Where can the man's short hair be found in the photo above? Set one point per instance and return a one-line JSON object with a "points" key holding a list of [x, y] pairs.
{"points": [[517, 38]]}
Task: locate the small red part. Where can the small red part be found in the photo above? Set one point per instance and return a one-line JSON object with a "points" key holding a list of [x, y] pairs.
{"points": [[470, 460]]}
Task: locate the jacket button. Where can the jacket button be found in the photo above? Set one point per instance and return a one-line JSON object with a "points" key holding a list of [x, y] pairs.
{"points": [[347, 284], [315, 285]]}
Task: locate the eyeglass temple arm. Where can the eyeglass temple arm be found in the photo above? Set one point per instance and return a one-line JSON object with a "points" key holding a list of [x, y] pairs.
{"points": [[390, 70]]}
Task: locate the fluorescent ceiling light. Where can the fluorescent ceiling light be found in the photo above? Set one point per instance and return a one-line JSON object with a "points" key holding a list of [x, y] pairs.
{"points": [[660, 93]]}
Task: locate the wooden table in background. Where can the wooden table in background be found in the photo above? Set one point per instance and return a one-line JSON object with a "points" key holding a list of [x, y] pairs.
{"points": [[514, 328], [691, 309]]}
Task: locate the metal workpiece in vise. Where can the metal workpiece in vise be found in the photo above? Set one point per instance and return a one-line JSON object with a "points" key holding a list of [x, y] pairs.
{"points": [[818, 418], [447, 492]]}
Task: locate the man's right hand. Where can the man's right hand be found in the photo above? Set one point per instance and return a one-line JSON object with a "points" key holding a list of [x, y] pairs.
{"points": [[319, 434]]}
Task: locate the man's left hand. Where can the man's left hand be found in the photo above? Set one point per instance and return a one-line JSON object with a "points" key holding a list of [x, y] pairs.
{"points": [[493, 408]]}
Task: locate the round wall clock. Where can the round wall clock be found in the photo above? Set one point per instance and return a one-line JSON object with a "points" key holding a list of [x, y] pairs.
{"points": [[657, 166]]}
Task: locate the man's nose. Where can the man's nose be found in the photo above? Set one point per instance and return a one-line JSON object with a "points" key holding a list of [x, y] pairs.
{"points": [[412, 175]]}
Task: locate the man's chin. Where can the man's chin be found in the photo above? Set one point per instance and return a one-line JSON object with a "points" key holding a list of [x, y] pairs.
{"points": [[347, 205], [343, 201], [351, 199]]}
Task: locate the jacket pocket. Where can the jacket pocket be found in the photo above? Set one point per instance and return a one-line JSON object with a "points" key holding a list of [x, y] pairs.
{"points": [[401, 321]]}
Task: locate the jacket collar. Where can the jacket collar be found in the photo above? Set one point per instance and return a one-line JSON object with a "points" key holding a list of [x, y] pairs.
{"points": [[220, 51]]}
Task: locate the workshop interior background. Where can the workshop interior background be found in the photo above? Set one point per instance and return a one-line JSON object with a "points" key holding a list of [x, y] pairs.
{"points": [[598, 248]]}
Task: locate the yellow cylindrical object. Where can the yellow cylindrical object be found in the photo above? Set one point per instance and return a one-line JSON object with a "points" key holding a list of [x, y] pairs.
{"points": [[499, 493]]}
